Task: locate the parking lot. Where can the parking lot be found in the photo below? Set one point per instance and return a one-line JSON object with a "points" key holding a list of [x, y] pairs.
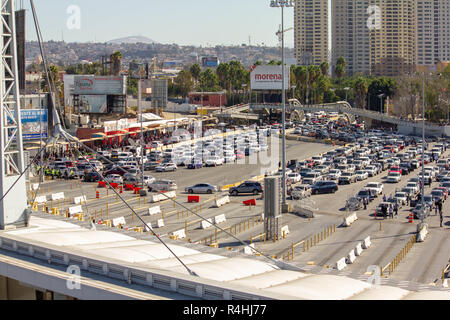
{"points": [[245, 224]]}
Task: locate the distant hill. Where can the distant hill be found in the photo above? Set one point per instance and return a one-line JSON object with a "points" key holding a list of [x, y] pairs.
{"points": [[130, 40]]}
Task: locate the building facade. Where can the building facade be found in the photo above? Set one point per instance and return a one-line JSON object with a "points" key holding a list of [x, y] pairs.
{"points": [[433, 32], [376, 37], [311, 32]]}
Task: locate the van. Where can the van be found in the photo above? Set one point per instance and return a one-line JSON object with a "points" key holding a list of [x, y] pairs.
{"points": [[124, 155], [162, 185]]}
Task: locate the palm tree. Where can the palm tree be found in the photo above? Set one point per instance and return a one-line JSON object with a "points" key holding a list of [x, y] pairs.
{"points": [[361, 89], [325, 67]]}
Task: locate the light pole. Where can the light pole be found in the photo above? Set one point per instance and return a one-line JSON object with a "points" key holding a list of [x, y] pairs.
{"points": [[422, 216], [381, 96], [282, 4], [346, 93]]}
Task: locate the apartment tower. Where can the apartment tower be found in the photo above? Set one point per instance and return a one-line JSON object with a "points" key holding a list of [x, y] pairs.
{"points": [[311, 32], [433, 32], [376, 37]]}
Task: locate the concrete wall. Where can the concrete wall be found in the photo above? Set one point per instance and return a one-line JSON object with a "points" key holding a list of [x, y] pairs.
{"points": [[11, 289]]}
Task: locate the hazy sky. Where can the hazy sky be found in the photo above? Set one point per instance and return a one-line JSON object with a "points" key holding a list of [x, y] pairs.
{"points": [[185, 22]]}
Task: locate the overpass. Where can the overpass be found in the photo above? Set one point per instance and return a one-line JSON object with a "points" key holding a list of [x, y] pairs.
{"points": [[297, 110]]}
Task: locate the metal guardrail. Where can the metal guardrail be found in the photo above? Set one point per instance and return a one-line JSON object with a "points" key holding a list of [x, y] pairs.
{"points": [[399, 258]]}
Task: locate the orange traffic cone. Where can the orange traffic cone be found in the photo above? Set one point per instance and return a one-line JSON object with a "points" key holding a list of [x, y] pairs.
{"points": [[411, 218]]}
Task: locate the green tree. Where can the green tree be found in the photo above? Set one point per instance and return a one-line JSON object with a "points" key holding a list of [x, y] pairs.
{"points": [[184, 83], [209, 81], [361, 88], [196, 70], [325, 67], [341, 64]]}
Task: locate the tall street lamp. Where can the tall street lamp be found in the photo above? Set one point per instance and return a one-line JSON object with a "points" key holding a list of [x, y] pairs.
{"points": [[381, 96], [282, 4], [346, 93]]}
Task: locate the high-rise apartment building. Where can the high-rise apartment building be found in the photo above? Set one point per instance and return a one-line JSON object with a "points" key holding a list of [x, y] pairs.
{"points": [[433, 32], [387, 48], [311, 32], [350, 35]]}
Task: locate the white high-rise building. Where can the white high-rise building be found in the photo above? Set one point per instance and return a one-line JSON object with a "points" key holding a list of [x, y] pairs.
{"points": [[433, 32], [311, 32]]}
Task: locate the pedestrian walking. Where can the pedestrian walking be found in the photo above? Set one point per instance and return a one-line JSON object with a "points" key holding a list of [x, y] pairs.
{"points": [[396, 210], [407, 199], [384, 198], [442, 219], [391, 212], [365, 203]]}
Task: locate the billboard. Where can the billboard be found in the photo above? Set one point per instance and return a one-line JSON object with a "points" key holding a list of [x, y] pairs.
{"points": [[138, 70], [210, 62], [269, 78], [31, 123], [93, 104], [96, 85], [159, 93]]}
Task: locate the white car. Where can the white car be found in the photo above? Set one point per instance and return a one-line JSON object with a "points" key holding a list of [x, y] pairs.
{"points": [[114, 178], [377, 186], [214, 161], [294, 178], [335, 174], [229, 157], [168, 167], [394, 177], [401, 196], [362, 175], [371, 170], [414, 186]]}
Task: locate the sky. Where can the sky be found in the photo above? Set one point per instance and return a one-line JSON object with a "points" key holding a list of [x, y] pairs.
{"points": [[184, 22]]}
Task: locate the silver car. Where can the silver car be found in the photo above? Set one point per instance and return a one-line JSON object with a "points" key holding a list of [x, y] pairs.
{"points": [[201, 188]]}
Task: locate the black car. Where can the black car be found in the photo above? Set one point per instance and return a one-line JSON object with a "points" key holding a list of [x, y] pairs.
{"points": [[247, 187], [324, 187], [92, 177]]}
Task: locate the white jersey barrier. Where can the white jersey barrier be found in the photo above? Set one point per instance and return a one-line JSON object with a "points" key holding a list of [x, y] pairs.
{"points": [[180, 234], [366, 243], [350, 220], [75, 210], [119, 221], [161, 197], [41, 200], [285, 231], [358, 250], [79, 200], [206, 224], [222, 201], [58, 196], [160, 224], [154, 211], [341, 264], [423, 232], [250, 250], [351, 258], [220, 219]]}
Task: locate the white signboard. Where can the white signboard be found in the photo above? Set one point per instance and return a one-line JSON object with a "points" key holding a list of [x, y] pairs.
{"points": [[269, 78]]}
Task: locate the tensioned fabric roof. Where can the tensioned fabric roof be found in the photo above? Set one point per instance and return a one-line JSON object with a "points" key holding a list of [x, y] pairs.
{"points": [[239, 271]]}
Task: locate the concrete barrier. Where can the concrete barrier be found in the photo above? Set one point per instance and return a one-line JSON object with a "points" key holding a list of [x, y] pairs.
{"points": [[58, 196], [79, 200], [206, 224], [161, 197], [119, 221], [285, 231], [366, 243], [351, 258], [222, 201], [160, 224], [41, 200], [249, 250], [423, 232], [341, 264], [75, 210], [350, 220], [180, 234], [220, 219], [358, 250], [154, 211]]}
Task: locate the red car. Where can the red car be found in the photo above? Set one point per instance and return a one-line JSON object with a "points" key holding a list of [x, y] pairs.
{"points": [[396, 169]]}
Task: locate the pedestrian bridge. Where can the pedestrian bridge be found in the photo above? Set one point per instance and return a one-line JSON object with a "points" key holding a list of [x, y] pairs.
{"points": [[297, 110]]}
